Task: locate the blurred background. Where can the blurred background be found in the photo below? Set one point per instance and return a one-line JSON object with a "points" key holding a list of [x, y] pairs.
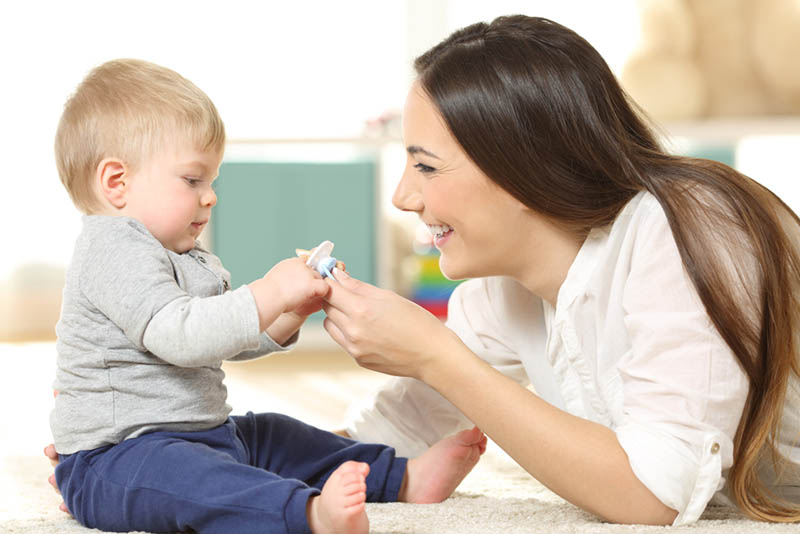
{"points": [[310, 93]]}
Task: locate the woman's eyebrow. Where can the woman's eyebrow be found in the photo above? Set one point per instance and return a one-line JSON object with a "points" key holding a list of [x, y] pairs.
{"points": [[415, 149]]}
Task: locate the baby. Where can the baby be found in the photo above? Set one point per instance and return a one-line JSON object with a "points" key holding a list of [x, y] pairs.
{"points": [[141, 424]]}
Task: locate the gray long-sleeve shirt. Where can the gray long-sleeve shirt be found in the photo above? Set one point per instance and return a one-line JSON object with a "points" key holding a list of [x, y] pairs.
{"points": [[142, 336]]}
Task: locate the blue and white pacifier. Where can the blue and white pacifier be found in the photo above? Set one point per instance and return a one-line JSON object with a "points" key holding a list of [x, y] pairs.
{"points": [[321, 260]]}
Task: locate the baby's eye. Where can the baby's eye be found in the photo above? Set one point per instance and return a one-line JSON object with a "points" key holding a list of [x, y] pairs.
{"points": [[191, 181], [424, 169]]}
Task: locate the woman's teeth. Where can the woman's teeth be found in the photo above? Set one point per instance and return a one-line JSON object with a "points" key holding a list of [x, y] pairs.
{"points": [[438, 230]]}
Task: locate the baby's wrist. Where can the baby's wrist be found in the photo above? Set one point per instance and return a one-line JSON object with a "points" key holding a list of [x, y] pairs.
{"points": [[272, 291], [268, 302], [298, 317]]}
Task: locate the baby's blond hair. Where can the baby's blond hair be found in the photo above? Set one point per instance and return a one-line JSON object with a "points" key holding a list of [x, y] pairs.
{"points": [[128, 109]]}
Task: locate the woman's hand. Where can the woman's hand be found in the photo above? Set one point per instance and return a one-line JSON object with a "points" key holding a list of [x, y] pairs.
{"points": [[383, 331]]}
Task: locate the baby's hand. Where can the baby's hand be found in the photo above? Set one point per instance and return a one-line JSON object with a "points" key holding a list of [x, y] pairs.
{"points": [[306, 309], [288, 287], [295, 284]]}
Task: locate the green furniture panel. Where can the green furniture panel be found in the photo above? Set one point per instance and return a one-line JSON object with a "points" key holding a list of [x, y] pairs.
{"points": [[722, 152], [267, 209]]}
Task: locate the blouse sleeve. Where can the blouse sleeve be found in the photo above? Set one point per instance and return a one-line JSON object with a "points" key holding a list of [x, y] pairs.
{"points": [[411, 416], [683, 389]]}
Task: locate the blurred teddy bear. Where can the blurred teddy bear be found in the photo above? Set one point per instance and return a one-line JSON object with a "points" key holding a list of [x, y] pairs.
{"points": [[715, 58]]}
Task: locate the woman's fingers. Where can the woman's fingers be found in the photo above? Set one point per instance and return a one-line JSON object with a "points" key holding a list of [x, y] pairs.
{"points": [[335, 333], [334, 314], [341, 295], [353, 285]]}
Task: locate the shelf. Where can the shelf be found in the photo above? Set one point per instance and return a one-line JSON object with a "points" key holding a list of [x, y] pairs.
{"points": [[730, 129]]}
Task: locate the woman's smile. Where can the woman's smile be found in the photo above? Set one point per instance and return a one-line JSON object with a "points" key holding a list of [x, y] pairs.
{"points": [[441, 233]]}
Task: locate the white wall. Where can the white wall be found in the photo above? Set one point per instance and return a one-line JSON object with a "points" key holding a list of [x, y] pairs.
{"points": [[275, 69]]}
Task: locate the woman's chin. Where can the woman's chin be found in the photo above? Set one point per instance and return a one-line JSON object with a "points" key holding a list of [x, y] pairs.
{"points": [[450, 271]]}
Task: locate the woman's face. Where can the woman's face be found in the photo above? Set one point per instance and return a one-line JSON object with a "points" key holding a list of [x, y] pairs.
{"points": [[474, 222]]}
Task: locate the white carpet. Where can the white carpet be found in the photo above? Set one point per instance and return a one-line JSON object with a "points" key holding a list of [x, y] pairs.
{"points": [[497, 497]]}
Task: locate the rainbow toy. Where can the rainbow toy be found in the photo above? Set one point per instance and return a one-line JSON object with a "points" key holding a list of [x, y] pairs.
{"points": [[429, 288]]}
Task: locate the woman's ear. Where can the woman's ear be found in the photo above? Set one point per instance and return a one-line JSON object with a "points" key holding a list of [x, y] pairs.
{"points": [[112, 176]]}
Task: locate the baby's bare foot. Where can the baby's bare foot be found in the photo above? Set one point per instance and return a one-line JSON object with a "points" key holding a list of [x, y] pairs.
{"points": [[341, 507], [434, 475]]}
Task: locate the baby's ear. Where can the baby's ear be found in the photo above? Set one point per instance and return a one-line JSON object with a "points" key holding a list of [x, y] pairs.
{"points": [[112, 176]]}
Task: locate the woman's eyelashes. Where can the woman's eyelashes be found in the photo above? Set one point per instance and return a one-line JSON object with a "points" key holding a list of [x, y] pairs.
{"points": [[424, 169]]}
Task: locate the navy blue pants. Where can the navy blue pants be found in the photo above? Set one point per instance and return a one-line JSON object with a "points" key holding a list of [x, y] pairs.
{"points": [[254, 473]]}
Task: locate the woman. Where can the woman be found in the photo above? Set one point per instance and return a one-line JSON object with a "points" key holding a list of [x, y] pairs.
{"points": [[649, 299]]}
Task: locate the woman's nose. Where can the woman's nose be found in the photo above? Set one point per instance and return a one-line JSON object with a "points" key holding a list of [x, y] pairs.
{"points": [[408, 195]]}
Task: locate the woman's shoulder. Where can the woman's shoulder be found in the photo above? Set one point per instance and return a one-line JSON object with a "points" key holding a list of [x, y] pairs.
{"points": [[494, 289], [642, 224], [495, 300], [644, 206], [495, 315]]}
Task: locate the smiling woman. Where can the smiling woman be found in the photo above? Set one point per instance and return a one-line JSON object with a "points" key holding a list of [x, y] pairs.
{"points": [[473, 219], [650, 300]]}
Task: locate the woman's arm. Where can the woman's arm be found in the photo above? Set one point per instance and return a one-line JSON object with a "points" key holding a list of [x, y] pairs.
{"points": [[580, 460]]}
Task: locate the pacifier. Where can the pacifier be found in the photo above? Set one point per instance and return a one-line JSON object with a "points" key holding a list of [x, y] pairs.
{"points": [[321, 260]]}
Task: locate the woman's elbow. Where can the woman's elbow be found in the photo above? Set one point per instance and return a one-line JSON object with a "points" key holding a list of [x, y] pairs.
{"points": [[656, 515]]}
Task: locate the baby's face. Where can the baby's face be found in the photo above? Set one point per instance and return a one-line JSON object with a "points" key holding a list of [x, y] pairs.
{"points": [[171, 195]]}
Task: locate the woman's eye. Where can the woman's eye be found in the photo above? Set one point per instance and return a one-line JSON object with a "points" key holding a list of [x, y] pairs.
{"points": [[424, 169]]}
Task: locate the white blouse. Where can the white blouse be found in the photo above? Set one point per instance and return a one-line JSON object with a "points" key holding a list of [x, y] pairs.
{"points": [[628, 345]]}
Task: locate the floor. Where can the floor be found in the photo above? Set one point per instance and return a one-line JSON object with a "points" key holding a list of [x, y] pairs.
{"points": [[498, 497], [313, 385]]}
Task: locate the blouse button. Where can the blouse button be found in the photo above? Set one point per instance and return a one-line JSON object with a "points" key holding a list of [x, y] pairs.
{"points": [[201, 259], [715, 448]]}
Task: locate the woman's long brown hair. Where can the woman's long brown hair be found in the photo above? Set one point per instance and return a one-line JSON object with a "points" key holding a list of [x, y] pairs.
{"points": [[541, 114]]}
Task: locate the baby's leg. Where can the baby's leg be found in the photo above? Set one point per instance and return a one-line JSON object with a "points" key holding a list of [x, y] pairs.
{"points": [[168, 482], [342, 505], [434, 475], [296, 450]]}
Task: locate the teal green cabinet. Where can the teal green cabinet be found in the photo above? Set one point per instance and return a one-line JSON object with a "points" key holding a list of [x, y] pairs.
{"points": [[267, 209]]}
